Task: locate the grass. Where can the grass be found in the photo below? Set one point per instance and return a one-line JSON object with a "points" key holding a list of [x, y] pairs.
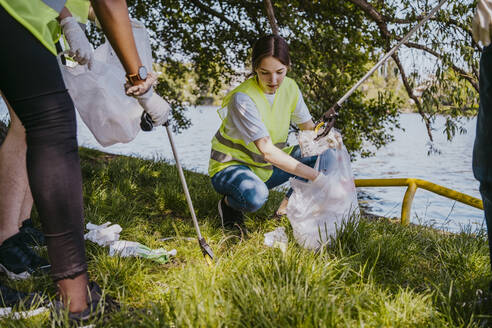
{"points": [[374, 274]]}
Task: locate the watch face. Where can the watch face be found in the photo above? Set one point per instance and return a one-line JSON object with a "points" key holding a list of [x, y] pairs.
{"points": [[142, 72]]}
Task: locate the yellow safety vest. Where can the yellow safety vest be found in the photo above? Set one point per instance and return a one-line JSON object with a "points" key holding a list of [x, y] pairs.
{"points": [[37, 17], [227, 151], [79, 10]]}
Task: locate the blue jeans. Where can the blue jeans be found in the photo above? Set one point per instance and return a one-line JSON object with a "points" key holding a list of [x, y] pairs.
{"points": [[245, 191], [482, 150]]}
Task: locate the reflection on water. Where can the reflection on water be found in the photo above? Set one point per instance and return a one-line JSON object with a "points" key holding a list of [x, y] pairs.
{"points": [[405, 158]]}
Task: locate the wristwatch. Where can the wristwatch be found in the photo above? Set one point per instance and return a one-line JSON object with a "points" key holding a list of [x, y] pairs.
{"points": [[141, 75]]}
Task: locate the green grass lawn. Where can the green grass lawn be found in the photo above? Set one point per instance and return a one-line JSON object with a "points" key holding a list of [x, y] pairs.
{"points": [[375, 274]]}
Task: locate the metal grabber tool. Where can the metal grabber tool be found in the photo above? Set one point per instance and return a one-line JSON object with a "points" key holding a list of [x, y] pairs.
{"points": [[329, 117], [146, 125]]}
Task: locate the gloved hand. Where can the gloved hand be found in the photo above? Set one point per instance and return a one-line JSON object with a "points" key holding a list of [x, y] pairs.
{"points": [[80, 48], [157, 108], [142, 90], [482, 22]]}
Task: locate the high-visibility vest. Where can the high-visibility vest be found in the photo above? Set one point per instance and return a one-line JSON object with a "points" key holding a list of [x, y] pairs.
{"points": [[79, 10], [37, 16], [227, 151]]}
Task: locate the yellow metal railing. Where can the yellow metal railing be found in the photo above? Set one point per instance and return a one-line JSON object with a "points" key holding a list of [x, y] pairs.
{"points": [[412, 185]]}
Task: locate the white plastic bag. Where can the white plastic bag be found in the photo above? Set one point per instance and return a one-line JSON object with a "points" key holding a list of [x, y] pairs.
{"points": [[99, 94], [276, 238], [315, 214]]}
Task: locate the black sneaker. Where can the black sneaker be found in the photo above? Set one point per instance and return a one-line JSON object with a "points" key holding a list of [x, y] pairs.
{"points": [[30, 235], [97, 308], [19, 261], [12, 298], [231, 219]]}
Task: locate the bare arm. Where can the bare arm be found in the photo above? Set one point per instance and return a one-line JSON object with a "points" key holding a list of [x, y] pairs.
{"points": [[113, 16], [278, 158], [64, 14]]}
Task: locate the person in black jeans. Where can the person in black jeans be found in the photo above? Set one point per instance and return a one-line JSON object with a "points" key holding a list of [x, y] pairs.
{"points": [[17, 231], [482, 149], [32, 83]]}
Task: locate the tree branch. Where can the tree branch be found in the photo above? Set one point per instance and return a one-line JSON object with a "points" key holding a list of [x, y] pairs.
{"points": [[375, 15], [222, 17], [379, 19], [412, 95], [271, 16], [455, 68], [382, 23]]}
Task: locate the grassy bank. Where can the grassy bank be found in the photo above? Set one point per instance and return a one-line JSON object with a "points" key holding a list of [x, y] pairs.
{"points": [[376, 275]]}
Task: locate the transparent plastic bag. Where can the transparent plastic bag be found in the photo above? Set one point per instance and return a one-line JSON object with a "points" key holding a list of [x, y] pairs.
{"points": [[99, 94], [316, 214], [311, 147]]}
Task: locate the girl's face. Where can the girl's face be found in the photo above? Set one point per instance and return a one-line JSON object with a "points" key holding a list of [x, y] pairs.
{"points": [[271, 72]]}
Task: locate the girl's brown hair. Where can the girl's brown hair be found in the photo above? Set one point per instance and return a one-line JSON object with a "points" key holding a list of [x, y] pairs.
{"points": [[270, 46]]}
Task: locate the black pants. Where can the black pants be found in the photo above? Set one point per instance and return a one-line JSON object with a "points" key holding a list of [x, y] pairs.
{"points": [[31, 80], [482, 149]]}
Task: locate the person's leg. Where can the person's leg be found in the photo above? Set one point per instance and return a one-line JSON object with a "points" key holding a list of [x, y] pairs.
{"points": [[26, 207], [486, 192], [243, 189], [13, 178], [482, 148], [33, 85], [13, 174], [279, 177]]}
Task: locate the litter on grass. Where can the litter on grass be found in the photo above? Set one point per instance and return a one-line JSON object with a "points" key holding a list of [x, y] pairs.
{"points": [[103, 234], [7, 312], [108, 234], [125, 248], [276, 238]]}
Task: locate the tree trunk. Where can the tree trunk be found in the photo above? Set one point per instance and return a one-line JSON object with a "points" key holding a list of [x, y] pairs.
{"points": [[271, 16]]}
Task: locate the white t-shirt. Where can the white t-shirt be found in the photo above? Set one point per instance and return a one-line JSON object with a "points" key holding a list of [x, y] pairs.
{"points": [[244, 121]]}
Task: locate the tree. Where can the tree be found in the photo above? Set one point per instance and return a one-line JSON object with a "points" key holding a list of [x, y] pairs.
{"points": [[331, 43], [447, 38]]}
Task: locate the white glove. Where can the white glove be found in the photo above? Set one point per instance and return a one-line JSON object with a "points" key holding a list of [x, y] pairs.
{"points": [[482, 22], [156, 107], [80, 48]]}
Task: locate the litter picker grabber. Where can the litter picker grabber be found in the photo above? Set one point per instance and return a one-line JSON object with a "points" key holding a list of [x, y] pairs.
{"points": [[146, 124], [329, 117]]}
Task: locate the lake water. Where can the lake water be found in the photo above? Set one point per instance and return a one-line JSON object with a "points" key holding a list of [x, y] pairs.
{"points": [[406, 157]]}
